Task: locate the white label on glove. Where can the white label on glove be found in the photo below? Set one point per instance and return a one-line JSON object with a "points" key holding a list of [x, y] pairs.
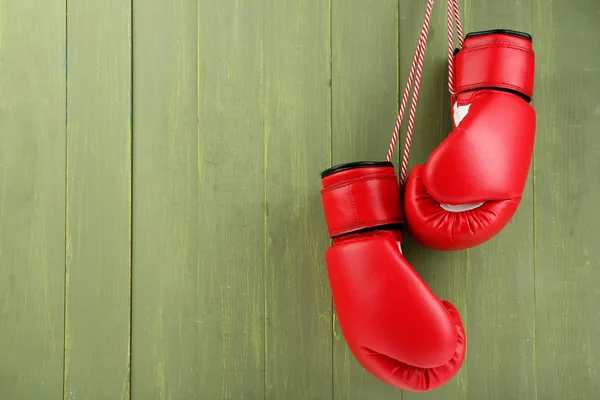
{"points": [[460, 112]]}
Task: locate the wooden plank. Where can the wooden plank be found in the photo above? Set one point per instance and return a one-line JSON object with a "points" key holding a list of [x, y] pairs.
{"points": [[198, 202], [298, 110], [364, 109], [165, 294], [446, 273], [567, 161], [98, 200], [232, 193], [32, 198], [501, 332]]}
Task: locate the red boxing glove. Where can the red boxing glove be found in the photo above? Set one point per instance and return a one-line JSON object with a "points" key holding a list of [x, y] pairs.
{"points": [[473, 182], [393, 323]]}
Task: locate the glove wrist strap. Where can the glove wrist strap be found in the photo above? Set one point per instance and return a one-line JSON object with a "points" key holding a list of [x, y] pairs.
{"points": [[362, 196], [495, 60]]}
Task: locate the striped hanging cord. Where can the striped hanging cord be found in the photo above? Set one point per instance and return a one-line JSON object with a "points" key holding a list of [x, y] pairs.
{"points": [[416, 67], [453, 16]]}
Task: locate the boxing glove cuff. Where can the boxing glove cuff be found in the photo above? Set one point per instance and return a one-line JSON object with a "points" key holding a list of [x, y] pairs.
{"points": [[496, 59], [359, 196]]}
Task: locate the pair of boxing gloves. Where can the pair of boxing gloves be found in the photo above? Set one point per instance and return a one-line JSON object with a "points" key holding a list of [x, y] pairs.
{"points": [[466, 193]]}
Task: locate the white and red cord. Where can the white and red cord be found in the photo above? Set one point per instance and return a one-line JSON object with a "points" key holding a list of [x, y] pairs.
{"points": [[453, 16], [417, 66]]}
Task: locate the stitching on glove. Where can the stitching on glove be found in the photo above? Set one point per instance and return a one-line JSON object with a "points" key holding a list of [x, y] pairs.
{"points": [[500, 84], [529, 52], [365, 225], [343, 184]]}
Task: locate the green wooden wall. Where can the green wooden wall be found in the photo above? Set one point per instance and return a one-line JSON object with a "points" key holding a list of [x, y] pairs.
{"points": [[161, 231]]}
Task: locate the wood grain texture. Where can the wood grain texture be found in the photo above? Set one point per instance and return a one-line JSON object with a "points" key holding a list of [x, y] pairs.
{"points": [[364, 109], [32, 198], [232, 199], [567, 222], [213, 244], [167, 324], [501, 272], [97, 294], [446, 273], [298, 137], [198, 312]]}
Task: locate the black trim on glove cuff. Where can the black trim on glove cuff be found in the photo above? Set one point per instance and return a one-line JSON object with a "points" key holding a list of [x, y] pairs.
{"points": [[510, 32], [354, 165]]}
